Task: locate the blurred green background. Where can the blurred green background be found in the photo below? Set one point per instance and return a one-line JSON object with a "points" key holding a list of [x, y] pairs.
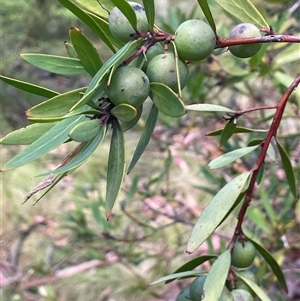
{"points": [[62, 248]]}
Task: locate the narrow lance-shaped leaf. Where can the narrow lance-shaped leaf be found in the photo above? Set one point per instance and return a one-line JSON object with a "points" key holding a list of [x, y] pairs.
{"points": [[57, 135], [272, 263], [231, 156], [95, 7], [127, 11], [86, 51], [166, 100], [145, 137], [255, 288], [215, 211], [88, 20], [207, 13], [288, 168], [203, 107], [227, 132], [243, 10], [115, 167], [55, 64], [30, 88], [190, 265], [83, 155], [70, 50], [27, 135], [216, 277], [150, 12]]}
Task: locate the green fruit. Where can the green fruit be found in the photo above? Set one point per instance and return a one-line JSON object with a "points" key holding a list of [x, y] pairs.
{"points": [[226, 295], [128, 85], [120, 26], [242, 285], [196, 288], [244, 30], [194, 40], [152, 52], [241, 295], [243, 254], [162, 69], [184, 295]]}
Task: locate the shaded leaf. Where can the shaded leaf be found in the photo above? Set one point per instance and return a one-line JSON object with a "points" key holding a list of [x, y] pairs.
{"points": [[27, 135], [259, 218], [127, 11], [128, 125], [166, 100], [150, 12], [86, 51], [85, 130], [216, 277], [70, 50], [124, 112], [145, 137], [207, 13], [57, 135], [231, 156], [56, 107], [272, 263], [115, 167], [216, 210], [204, 107], [227, 132], [255, 288], [190, 265], [34, 89], [288, 168], [237, 130], [55, 64], [243, 10]]}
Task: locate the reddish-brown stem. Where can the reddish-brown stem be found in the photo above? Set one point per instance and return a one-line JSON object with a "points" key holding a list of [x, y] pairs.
{"points": [[255, 169]]}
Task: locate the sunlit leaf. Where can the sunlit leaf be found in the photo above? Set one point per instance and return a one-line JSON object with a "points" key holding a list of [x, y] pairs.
{"points": [[31, 88], [95, 7], [243, 10], [115, 167], [288, 168], [86, 52], [207, 13], [216, 277], [204, 107], [55, 64], [190, 265], [216, 210], [145, 137], [27, 135], [57, 135], [231, 156], [166, 100]]}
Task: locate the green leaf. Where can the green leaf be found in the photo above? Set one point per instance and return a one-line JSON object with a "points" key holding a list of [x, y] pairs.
{"points": [[55, 64], [86, 52], [88, 20], [127, 11], [231, 156], [259, 218], [180, 275], [96, 8], [115, 167], [145, 137], [204, 107], [128, 125], [55, 108], [288, 168], [243, 10], [27, 135], [57, 135], [227, 132], [82, 156], [95, 86], [37, 90], [216, 277], [150, 12], [124, 112], [85, 130], [70, 50], [207, 13], [190, 265], [237, 130], [255, 288], [272, 263], [216, 210], [166, 100]]}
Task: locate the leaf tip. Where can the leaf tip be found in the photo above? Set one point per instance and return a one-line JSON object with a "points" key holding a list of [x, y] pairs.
{"points": [[108, 215]]}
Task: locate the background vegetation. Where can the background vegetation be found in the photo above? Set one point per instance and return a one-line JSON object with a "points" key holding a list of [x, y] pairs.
{"points": [[63, 248]]}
